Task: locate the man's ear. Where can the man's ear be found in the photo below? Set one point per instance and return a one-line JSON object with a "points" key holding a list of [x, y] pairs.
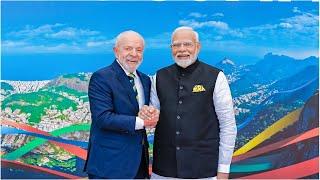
{"points": [[115, 51], [198, 46]]}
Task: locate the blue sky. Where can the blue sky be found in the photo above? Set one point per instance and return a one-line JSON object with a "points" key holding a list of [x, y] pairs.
{"points": [[55, 38]]}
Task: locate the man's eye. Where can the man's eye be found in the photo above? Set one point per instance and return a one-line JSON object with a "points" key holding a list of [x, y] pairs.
{"points": [[176, 45], [128, 48], [187, 44]]}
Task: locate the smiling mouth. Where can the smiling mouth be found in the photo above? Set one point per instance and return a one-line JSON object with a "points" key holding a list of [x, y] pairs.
{"points": [[132, 61], [183, 56]]}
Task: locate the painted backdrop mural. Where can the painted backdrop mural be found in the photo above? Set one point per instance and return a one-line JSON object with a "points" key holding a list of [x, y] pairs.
{"points": [[269, 51]]}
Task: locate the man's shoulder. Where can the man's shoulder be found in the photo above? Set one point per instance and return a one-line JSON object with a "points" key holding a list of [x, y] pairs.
{"points": [[209, 67], [103, 73], [167, 68]]}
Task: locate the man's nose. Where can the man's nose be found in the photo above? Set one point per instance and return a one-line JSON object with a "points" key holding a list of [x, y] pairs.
{"points": [[181, 48], [134, 52]]}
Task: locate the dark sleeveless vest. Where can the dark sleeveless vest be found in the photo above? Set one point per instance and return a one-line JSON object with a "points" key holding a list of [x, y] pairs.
{"points": [[186, 143]]}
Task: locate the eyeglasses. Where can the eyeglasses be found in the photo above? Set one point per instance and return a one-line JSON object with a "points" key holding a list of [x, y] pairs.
{"points": [[176, 45]]}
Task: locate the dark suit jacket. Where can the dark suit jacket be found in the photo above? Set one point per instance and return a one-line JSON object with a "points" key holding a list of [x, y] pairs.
{"points": [[115, 147]]}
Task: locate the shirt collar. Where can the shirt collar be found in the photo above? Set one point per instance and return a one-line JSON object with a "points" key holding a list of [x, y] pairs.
{"points": [[127, 72]]}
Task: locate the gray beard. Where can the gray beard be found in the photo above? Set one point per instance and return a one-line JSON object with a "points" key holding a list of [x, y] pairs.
{"points": [[185, 63], [126, 67]]}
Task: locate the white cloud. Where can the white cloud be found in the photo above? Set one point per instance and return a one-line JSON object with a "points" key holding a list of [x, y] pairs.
{"points": [[57, 31], [55, 38], [214, 28], [302, 21], [299, 30], [63, 34], [108, 43], [260, 29], [10, 43], [218, 14], [30, 31], [285, 25], [296, 10], [70, 32], [236, 33], [196, 24], [71, 48], [197, 15]]}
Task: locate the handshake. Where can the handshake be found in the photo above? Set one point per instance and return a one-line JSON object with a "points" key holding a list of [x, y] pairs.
{"points": [[149, 115]]}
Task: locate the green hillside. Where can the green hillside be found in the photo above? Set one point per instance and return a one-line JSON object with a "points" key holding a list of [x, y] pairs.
{"points": [[36, 102], [65, 89]]}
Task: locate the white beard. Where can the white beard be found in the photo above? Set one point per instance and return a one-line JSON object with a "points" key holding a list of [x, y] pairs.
{"points": [[127, 67], [186, 62]]}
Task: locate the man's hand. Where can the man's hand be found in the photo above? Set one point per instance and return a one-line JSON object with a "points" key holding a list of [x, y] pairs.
{"points": [[221, 175], [150, 116]]}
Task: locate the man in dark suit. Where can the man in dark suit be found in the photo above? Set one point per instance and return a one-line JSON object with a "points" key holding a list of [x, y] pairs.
{"points": [[118, 146], [196, 132]]}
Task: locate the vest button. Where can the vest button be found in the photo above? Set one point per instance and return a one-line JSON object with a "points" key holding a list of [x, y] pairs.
{"points": [[178, 148], [178, 117], [182, 74], [180, 102], [181, 87], [177, 132]]}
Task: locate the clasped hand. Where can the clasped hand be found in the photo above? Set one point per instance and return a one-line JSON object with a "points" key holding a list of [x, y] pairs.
{"points": [[149, 115]]}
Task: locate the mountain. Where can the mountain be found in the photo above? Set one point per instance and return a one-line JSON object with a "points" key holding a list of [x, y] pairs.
{"points": [[64, 98], [268, 71], [231, 70], [280, 66], [256, 83], [274, 107], [77, 81], [35, 104], [227, 65], [246, 103], [306, 75]]}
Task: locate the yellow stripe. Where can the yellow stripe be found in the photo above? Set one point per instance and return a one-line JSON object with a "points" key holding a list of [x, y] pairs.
{"points": [[270, 131]]}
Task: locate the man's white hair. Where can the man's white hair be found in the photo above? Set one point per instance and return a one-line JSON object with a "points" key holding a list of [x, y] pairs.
{"points": [[121, 36], [185, 28]]}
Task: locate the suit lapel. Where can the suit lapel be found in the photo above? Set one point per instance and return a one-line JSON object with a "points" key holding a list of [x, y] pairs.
{"points": [[145, 88], [124, 80]]}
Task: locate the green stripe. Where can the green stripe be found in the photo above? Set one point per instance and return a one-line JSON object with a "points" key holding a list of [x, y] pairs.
{"points": [[39, 141], [250, 167]]}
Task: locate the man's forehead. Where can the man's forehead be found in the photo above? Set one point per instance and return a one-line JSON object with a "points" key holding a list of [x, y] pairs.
{"points": [[131, 40], [184, 34], [183, 41]]}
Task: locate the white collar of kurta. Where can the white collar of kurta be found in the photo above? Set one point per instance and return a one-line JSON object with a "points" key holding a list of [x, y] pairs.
{"points": [[127, 72]]}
